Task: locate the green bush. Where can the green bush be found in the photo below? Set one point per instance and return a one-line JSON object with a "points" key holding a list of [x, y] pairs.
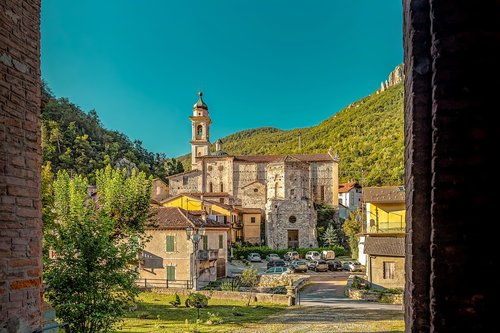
{"points": [[230, 285], [214, 319], [176, 300], [244, 251]]}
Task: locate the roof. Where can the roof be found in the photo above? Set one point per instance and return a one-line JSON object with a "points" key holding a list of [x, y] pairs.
{"points": [[277, 158], [178, 218], [346, 187], [384, 194], [183, 173], [249, 210], [254, 182], [385, 246], [200, 104], [208, 194]]}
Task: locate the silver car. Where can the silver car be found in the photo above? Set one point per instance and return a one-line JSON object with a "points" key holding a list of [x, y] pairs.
{"points": [[313, 255], [352, 266]]}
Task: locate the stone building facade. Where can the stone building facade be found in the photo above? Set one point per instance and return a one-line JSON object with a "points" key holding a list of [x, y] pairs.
{"points": [[283, 187]]}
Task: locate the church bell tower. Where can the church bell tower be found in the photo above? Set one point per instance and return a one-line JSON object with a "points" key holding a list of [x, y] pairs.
{"points": [[200, 138]]}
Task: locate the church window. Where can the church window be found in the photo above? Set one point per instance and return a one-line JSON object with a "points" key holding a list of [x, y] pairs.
{"points": [[210, 187], [199, 131], [221, 168], [256, 190], [209, 168], [221, 187], [252, 219], [292, 192], [276, 190], [221, 200], [292, 219], [185, 180], [322, 193]]}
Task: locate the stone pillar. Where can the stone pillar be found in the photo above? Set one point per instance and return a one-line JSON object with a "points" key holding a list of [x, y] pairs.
{"points": [[20, 159], [451, 88]]}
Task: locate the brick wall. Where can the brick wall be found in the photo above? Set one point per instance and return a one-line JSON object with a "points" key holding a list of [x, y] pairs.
{"points": [[451, 88], [20, 158]]}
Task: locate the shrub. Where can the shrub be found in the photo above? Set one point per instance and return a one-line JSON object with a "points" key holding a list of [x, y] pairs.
{"points": [[214, 319], [230, 285], [175, 300], [197, 301]]}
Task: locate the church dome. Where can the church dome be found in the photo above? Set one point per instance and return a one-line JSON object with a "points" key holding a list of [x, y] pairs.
{"points": [[200, 104]]}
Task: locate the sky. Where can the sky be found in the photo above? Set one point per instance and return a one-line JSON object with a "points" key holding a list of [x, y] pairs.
{"points": [[279, 63]]}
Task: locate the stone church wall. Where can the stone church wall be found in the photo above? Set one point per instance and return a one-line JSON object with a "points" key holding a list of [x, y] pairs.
{"points": [[185, 183]]}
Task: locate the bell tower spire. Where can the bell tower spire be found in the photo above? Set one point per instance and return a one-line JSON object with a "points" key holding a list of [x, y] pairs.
{"points": [[200, 138]]}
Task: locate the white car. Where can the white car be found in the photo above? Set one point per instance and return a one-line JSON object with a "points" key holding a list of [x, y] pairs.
{"points": [[276, 270], [254, 257], [313, 255]]}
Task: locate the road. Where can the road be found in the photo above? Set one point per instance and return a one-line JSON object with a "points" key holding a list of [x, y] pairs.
{"points": [[328, 290]]}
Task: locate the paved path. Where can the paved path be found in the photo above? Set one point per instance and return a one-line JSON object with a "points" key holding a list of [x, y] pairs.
{"points": [[329, 291]]}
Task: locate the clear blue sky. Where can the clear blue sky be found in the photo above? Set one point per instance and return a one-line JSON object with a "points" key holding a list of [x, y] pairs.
{"points": [[280, 63]]}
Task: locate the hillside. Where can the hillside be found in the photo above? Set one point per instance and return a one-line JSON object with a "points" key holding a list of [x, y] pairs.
{"points": [[368, 136], [76, 141]]}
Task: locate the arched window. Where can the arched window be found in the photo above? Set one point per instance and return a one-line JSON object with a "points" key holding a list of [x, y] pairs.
{"points": [[221, 187], [199, 131], [210, 187], [276, 190]]}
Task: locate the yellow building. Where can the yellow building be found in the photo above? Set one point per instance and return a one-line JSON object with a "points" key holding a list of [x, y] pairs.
{"points": [[244, 223], [381, 244], [170, 258]]}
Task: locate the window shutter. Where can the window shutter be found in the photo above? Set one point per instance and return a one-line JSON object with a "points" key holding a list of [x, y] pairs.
{"points": [[170, 243], [171, 273], [221, 241], [205, 242]]}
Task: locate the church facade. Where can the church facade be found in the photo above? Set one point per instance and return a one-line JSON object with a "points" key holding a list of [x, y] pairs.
{"points": [[283, 187]]}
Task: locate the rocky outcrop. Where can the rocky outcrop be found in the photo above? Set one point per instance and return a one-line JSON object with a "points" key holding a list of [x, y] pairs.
{"points": [[396, 76]]}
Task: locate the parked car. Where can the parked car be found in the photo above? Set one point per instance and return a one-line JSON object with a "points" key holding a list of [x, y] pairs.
{"points": [[298, 266], [313, 255], [352, 266], [318, 265], [276, 263], [272, 256], [334, 265], [291, 255], [327, 255], [276, 270], [254, 257]]}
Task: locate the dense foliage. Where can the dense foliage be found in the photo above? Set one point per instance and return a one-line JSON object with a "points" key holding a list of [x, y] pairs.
{"points": [[77, 142], [352, 227], [368, 136], [90, 248]]}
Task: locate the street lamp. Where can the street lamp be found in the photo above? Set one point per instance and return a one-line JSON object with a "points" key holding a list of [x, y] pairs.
{"points": [[195, 236]]}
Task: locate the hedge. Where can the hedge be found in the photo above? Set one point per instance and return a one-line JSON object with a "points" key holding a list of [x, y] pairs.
{"points": [[244, 251]]}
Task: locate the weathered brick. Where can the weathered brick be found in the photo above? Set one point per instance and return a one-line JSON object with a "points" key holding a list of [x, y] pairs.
{"points": [[22, 284]]}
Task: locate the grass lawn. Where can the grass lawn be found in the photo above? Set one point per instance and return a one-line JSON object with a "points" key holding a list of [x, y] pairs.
{"points": [[155, 314]]}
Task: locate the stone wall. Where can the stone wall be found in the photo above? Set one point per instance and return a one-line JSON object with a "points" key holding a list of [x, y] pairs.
{"points": [[218, 174], [178, 185], [375, 267], [324, 182], [20, 159]]}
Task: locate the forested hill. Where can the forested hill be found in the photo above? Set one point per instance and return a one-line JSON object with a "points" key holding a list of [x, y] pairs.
{"points": [[368, 136], [76, 141]]}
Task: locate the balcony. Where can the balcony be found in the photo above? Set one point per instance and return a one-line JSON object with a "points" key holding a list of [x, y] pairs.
{"points": [[387, 227], [209, 255]]}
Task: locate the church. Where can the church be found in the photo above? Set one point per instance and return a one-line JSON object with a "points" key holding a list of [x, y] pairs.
{"points": [[283, 188]]}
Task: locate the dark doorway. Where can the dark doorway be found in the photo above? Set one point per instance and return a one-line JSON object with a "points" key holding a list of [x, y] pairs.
{"points": [[293, 239]]}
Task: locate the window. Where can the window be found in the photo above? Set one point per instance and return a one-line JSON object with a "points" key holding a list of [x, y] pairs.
{"points": [[199, 131], [210, 187], [389, 269], [185, 180], [322, 193], [292, 219], [292, 192], [205, 242], [256, 190], [252, 219], [170, 240], [221, 241], [222, 187], [221, 200], [340, 201], [171, 273]]}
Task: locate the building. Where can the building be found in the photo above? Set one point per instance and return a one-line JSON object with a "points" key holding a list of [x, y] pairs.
{"points": [[385, 266], [169, 258], [384, 224], [350, 195], [159, 191], [283, 187]]}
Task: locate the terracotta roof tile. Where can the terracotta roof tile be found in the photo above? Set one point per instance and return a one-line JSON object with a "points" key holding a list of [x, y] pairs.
{"points": [[346, 187], [385, 246]]}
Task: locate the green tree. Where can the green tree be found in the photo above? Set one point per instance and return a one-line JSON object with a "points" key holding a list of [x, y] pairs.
{"points": [[250, 279], [91, 280], [352, 227], [174, 166], [331, 236], [198, 301]]}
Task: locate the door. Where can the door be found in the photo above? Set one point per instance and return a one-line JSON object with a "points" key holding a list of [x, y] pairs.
{"points": [[293, 239], [221, 268], [171, 273]]}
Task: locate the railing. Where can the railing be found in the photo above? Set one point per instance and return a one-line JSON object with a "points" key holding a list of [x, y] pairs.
{"points": [[164, 283], [207, 255], [387, 227]]}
